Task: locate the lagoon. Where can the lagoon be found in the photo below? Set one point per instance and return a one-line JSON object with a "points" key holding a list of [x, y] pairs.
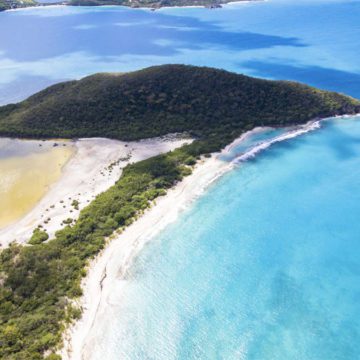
{"points": [[28, 168]]}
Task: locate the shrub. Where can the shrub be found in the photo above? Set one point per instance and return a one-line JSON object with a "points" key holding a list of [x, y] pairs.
{"points": [[38, 237]]}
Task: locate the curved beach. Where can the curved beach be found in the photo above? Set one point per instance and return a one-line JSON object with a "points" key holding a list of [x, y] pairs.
{"points": [[107, 273]]}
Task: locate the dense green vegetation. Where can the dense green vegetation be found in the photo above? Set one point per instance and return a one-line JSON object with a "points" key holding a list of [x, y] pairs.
{"points": [[38, 237], [165, 99], [149, 3], [39, 281]]}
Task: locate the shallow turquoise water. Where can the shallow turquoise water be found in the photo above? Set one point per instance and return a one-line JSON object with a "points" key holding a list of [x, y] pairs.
{"points": [[266, 265], [313, 41]]}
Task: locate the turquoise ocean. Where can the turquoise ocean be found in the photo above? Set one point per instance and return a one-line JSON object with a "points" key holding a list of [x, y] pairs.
{"points": [[265, 265]]}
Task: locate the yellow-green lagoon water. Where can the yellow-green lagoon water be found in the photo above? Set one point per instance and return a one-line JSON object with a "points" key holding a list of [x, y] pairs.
{"points": [[27, 169]]}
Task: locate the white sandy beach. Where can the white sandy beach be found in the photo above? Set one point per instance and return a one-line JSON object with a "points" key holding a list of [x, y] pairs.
{"points": [[106, 273], [107, 270], [86, 175]]}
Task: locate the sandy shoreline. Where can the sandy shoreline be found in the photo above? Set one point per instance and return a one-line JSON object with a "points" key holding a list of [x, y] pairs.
{"points": [[111, 265], [107, 272], [96, 165], [108, 269]]}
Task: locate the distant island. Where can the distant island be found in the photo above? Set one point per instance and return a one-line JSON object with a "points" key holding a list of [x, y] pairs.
{"points": [[15, 4], [39, 282], [153, 4]]}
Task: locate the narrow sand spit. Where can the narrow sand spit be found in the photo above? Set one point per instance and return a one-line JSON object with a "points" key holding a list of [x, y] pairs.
{"points": [[96, 166], [106, 276], [108, 269]]}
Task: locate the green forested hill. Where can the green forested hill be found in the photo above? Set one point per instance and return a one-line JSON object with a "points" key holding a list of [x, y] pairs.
{"points": [[166, 99]]}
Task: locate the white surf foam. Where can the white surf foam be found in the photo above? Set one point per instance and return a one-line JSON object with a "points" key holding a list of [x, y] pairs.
{"points": [[301, 130]]}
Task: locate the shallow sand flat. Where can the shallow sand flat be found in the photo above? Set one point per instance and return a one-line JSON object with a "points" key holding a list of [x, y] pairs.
{"points": [[25, 179], [86, 175]]}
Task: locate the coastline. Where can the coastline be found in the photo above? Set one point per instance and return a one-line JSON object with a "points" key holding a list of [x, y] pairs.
{"points": [[112, 263], [148, 8], [218, 6], [107, 271], [102, 160], [221, 5]]}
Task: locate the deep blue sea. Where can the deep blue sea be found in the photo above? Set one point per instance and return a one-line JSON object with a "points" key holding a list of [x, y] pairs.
{"points": [[266, 264], [313, 41]]}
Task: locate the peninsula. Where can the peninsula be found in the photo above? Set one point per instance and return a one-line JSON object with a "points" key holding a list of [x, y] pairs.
{"points": [[41, 280]]}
